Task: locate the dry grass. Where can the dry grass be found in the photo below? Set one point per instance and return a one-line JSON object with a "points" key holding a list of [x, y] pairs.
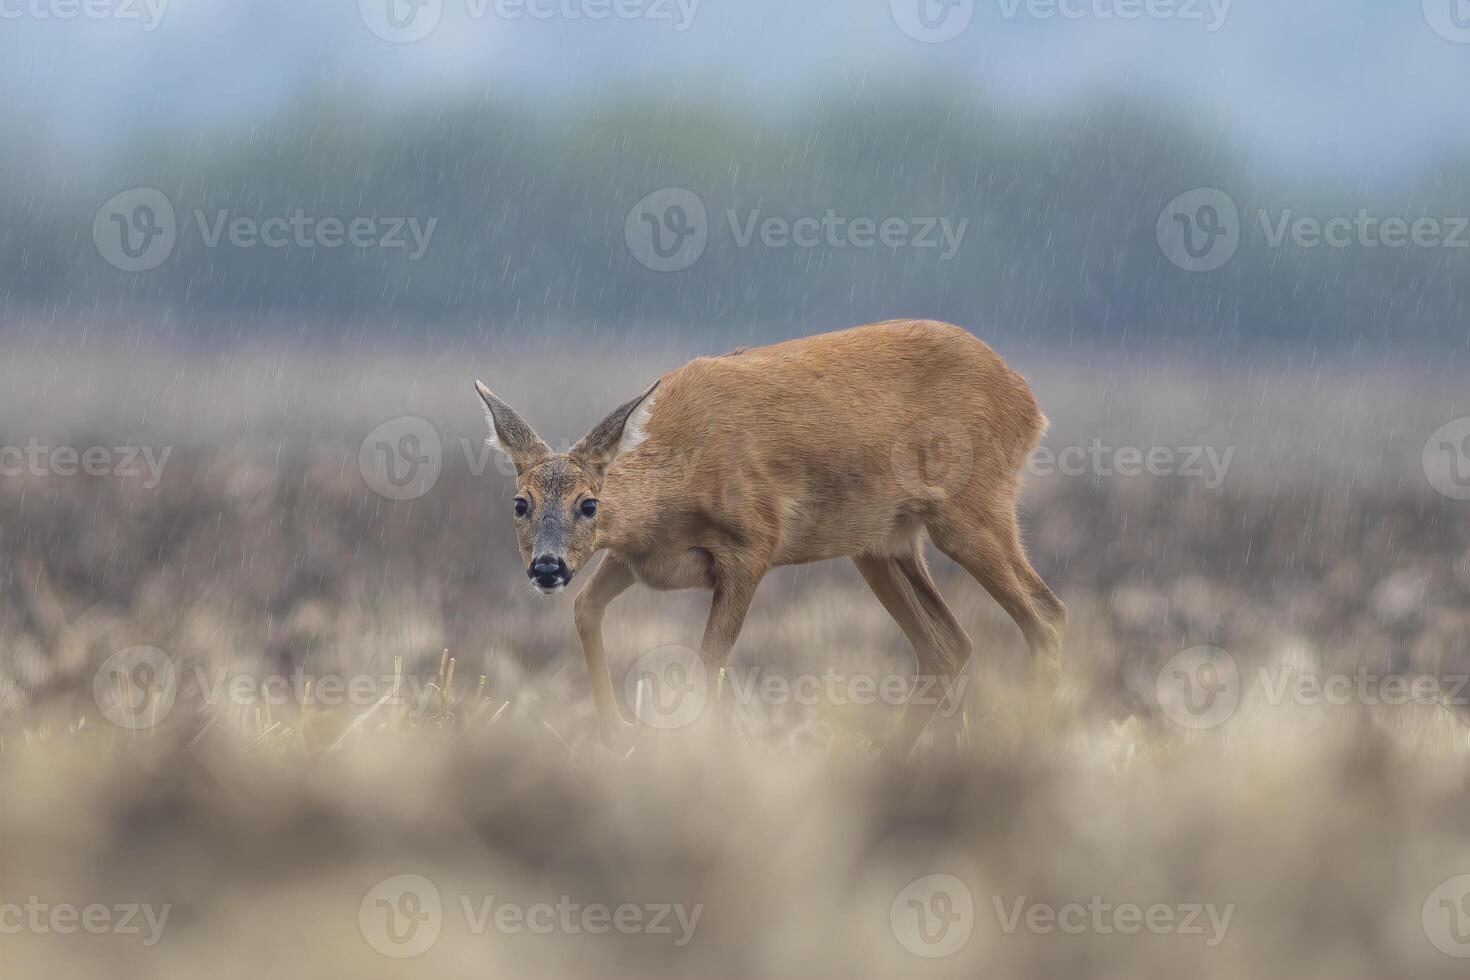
{"points": [[1324, 827]]}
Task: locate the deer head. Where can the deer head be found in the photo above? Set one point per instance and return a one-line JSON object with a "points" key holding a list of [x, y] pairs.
{"points": [[556, 506]]}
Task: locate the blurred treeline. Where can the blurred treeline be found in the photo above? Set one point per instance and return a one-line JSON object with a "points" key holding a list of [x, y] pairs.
{"points": [[1060, 242]]}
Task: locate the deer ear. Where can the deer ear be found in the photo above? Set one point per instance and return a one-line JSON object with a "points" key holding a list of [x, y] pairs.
{"points": [[621, 432], [510, 434]]}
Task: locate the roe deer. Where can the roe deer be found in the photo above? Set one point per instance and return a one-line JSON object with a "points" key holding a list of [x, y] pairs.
{"points": [[849, 444]]}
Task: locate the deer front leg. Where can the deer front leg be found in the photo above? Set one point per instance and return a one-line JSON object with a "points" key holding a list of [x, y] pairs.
{"points": [[608, 581], [734, 591]]}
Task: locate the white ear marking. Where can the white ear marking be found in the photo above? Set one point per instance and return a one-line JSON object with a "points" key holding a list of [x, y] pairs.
{"points": [[635, 430], [493, 440]]}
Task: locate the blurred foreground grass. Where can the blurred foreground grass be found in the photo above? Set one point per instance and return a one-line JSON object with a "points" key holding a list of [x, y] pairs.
{"points": [[1316, 836]]}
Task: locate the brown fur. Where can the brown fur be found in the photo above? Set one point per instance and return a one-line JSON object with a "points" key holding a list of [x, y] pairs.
{"points": [[847, 444]]}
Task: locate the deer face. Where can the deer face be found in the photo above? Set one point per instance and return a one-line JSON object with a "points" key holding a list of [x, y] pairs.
{"points": [[556, 515], [556, 507]]}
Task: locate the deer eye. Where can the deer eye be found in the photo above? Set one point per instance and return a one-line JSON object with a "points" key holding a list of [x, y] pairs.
{"points": [[589, 508], [522, 506]]}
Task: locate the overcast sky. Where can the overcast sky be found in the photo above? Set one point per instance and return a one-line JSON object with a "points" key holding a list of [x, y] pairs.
{"points": [[1344, 90]]}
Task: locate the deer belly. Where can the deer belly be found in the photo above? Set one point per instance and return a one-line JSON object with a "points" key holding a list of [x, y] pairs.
{"points": [[688, 569], [818, 534]]}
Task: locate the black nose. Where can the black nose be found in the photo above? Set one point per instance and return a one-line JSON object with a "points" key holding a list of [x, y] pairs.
{"points": [[549, 571]]}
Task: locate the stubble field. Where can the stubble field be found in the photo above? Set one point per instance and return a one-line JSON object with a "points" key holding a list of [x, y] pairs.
{"points": [[1262, 767]]}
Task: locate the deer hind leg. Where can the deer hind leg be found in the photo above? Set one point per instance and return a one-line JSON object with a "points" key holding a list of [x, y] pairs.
{"points": [[902, 584], [991, 552]]}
